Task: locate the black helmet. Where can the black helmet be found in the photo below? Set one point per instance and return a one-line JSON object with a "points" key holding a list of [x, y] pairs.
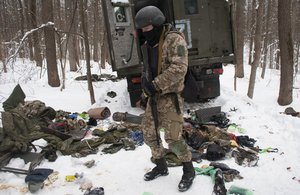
{"points": [[149, 15]]}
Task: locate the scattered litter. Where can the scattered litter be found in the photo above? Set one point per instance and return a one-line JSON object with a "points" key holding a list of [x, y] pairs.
{"points": [[86, 186], [95, 191], [51, 178], [235, 128], [239, 190], [90, 163], [70, 178], [7, 186], [147, 193]]}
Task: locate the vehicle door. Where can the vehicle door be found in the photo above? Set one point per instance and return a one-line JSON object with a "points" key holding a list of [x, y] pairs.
{"points": [[120, 33]]}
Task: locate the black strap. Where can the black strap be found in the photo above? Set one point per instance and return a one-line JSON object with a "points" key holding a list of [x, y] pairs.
{"points": [[176, 102]]}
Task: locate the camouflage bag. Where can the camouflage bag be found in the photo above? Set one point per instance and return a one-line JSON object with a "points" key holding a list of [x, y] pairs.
{"points": [[38, 111], [16, 128]]}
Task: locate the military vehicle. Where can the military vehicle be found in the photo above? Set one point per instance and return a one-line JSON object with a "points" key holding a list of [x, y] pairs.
{"points": [[206, 25]]}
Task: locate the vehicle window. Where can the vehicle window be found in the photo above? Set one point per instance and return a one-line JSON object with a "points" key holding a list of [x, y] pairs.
{"points": [[191, 7], [120, 14]]}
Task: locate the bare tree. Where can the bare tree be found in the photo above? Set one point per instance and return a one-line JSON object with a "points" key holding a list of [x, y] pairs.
{"points": [[286, 53], [296, 32], [277, 59], [240, 28], [22, 25], [297, 57], [96, 32], [273, 35], [252, 30], [28, 26], [72, 41], [266, 39], [36, 40], [103, 40], [47, 16], [257, 48], [87, 52], [2, 57]]}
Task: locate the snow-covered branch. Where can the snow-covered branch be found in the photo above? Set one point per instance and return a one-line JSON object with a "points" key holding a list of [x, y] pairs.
{"points": [[25, 36]]}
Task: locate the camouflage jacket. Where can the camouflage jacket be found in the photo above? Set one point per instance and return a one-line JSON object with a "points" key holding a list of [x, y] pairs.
{"points": [[174, 62]]}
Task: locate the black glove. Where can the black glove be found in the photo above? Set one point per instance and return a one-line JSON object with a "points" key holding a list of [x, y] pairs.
{"points": [[148, 87]]}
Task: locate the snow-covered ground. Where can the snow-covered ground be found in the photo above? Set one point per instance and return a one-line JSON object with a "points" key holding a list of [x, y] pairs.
{"points": [[122, 172]]}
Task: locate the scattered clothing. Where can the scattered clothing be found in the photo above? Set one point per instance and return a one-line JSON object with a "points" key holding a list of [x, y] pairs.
{"points": [[38, 175], [36, 179], [137, 137], [244, 140], [228, 173], [235, 128], [214, 152], [238, 190], [95, 191], [124, 143], [245, 157], [221, 120], [216, 175]]}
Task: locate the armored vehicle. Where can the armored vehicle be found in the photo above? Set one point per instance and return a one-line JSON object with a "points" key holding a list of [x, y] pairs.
{"points": [[206, 25]]}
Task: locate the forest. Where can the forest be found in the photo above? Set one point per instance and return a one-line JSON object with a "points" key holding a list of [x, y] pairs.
{"points": [[54, 32]]}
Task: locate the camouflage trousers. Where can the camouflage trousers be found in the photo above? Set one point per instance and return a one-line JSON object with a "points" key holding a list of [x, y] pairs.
{"points": [[171, 123]]}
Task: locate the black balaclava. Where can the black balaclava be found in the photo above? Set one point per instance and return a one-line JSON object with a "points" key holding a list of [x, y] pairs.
{"points": [[153, 35]]}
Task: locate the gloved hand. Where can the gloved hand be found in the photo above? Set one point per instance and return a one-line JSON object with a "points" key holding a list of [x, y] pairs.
{"points": [[148, 87]]}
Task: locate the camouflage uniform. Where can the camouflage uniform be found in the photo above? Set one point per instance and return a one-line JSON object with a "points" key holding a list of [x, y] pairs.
{"points": [[170, 84]]}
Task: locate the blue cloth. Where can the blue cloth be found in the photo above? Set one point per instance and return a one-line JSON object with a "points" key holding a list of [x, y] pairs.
{"points": [[137, 137], [73, 116], [38, 175]]}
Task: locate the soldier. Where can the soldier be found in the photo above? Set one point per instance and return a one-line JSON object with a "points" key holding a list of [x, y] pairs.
{"points": [[165, 59]]}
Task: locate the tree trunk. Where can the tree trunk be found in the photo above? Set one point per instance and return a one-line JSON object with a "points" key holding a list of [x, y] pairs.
{"points": [[103, 39], [266, 41], [71, 18], [252, 31], [36, 35], [47, 16], [87, 52], [240, 27], [81, 49], [297, 58], [286, 53], [103, 50], [28, 27], [257, 49], [2, 59], [59, 23], [277, 59], [21, 27], [96, 32]]}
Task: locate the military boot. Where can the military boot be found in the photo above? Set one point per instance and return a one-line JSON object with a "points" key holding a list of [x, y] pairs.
{"points": [[161, 169], [187, 177]]}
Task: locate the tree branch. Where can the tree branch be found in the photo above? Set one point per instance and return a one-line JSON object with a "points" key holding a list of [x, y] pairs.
{"points": [[25, 36]]}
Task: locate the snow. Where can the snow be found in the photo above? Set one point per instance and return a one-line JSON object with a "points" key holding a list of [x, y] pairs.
{"points": [[122, 172], [119, 1]]}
